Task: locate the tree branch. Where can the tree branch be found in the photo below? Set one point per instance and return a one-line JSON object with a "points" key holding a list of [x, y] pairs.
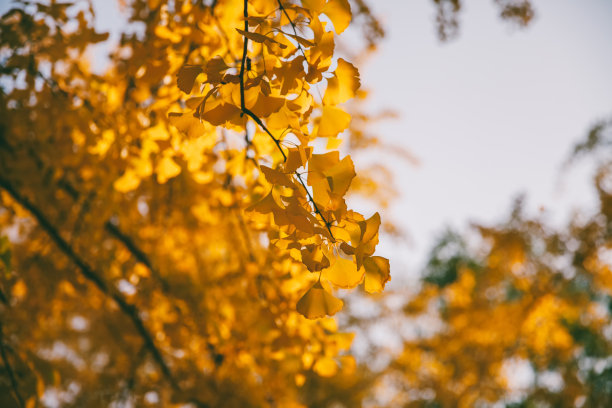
{"points": [[259, 121], [91, 275], [244, 55], [135, 251], [9, 369]]}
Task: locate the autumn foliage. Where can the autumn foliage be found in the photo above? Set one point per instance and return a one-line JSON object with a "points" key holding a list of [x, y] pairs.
{"points": [[179, 222], [174, 231]]}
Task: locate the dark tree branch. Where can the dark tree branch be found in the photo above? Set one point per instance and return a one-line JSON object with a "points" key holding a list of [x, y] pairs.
{"points": [[9, 370], [259, 121], [94, 277], [134, 250]]}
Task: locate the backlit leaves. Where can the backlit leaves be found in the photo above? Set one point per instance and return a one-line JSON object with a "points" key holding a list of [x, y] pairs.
{"points": [[318, 302], [343, 85], [332, 122], [174, 210], [376, 274]]}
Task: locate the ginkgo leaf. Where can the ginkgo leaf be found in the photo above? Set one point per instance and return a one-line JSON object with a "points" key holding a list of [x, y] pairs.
{"points": [[259, 38], [215, 69], [340, 176], [164, 32], [317, 303], [330, 178], [186, 124], [186, 76], [314, 5], [266, 205], [276, 177], [377, 273], [369, 228], [343, 85], [301, 40], [339, 12], [364, 237], [343, 273], [297, 157], [266, 105], [219, 113], [314, 258], [127, 182], [167, 169], [333, 121], [325, 367]]}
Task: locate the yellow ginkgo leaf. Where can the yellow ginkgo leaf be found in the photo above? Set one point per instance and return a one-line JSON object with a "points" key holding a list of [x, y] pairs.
{"points": [[127, 182], [276, 177], [266, 205], [340, 176], [164, 32], [167, 169], [330, 178], [343, 85], [186, 77], [325, 367], [297, 157], [333, 121], [314, 5], [343, 273], [260, 38], [376, 273], [318, 302], [303, 41], [314, 258], [339, 12]]}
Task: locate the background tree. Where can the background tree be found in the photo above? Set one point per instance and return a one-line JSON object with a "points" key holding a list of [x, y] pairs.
{"points": [[172, 228], [525, 295]]}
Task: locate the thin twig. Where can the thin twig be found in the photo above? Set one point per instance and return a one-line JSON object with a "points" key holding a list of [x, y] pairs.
{"points": [[327, 224], [244, 55], [293, 26], [259, 121]]}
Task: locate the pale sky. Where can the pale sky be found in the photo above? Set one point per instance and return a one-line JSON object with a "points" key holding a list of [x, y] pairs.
{"points": [[491, 114]]}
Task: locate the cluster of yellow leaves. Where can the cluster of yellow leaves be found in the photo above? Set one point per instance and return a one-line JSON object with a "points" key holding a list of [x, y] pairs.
{"points": [[278, 88], [164, 243], [521, 297]]}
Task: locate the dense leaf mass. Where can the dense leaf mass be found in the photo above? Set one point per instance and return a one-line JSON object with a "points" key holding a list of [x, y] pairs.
{"points": [[177, 221], [174, 231]]}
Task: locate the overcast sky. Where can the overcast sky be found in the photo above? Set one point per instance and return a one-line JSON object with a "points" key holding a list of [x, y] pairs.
{"points": [[492, 114]]}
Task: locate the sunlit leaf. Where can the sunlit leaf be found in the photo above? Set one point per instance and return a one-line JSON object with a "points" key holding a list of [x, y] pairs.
{"points": [[343, 85], [317, 303], [127, 182], [339, 12], [325, 367], [167, 169], [333, 121], [186, 77], [377, 273], [343, 273]]}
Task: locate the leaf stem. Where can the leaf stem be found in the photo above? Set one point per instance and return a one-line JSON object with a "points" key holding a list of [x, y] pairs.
{"points": [[253, 116]]}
